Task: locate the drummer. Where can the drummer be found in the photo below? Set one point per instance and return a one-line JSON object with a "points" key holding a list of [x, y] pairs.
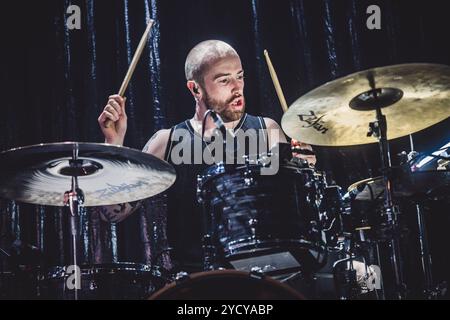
{"points": [[215, 78]]}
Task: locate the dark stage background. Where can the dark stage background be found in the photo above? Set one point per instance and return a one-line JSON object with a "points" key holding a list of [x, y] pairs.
{"points": [[55, 82]]}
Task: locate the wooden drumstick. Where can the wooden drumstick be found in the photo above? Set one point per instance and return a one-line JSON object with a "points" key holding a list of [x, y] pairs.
{"points": [[132, 67], [276, 83]]}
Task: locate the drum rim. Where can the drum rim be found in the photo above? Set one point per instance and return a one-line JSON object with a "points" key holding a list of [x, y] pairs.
{"points": [[216, 170], [198, 276], [57, 272], [273, 243]]}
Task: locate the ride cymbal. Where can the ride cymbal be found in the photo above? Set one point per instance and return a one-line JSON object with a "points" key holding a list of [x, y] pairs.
{"points": [[411, 96]]}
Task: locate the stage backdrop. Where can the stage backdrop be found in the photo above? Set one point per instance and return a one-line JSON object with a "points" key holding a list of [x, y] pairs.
{"points": [[55, 82]]}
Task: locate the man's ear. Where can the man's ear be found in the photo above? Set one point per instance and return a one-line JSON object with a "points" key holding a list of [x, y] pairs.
{"points": [[193, 87]]}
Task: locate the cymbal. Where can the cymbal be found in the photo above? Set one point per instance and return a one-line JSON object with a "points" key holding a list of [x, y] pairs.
{"points": [[107, 174], [412, 97], [431, 184]]}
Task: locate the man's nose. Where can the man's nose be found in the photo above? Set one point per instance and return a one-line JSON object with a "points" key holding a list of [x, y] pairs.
{"points": [[237, 86]]}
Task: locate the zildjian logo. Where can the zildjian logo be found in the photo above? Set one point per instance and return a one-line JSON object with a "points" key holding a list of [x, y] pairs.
{"points": [[316, 122]]}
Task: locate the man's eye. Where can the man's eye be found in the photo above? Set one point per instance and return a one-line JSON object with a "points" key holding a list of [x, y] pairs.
{"points": [[223, 81]]}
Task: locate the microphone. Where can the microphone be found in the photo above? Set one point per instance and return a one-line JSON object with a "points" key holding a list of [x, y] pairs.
{"points": [[229, 147], [220, 124]]}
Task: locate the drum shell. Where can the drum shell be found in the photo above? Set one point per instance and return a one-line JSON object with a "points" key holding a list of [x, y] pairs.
{"points": [[246, 212], [114, 281]]}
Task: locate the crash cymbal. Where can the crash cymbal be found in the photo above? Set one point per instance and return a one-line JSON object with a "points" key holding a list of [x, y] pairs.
{"points": [[412, 97], [106, 174]]}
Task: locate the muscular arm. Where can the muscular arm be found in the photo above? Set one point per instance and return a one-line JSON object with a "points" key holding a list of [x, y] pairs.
{"points": [[156, 146], [158, 143]]}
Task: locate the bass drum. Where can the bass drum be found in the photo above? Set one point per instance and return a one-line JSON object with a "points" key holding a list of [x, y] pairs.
{"points": [[226, 285], [115, 281]]}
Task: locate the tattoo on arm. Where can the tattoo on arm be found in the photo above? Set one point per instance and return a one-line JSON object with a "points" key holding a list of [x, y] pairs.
{"points": [[147, 145], [119, 212]]}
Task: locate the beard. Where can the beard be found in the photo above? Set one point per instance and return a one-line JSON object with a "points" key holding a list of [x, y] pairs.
{"points": [[223, 109]]}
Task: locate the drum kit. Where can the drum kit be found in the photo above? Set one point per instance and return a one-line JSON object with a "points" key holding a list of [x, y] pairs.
{"points": [[260, 232]]}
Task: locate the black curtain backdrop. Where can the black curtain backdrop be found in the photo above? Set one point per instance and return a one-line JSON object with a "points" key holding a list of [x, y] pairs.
{"points": [[55, 82]]}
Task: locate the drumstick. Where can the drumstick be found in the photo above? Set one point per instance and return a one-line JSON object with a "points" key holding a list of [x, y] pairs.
{"points": [[132, 67], [276, 83]]}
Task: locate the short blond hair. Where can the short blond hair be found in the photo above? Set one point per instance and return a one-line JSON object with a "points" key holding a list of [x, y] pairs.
{"points": [[202, 55]]}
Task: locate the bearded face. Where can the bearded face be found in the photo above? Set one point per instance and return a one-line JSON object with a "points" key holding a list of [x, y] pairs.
{"points": [[223, 88], [231, 109]]}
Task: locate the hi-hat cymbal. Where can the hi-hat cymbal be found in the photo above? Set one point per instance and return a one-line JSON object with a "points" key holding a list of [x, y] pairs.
{"points": [[418, 185], [106, 174], [412, 96]]}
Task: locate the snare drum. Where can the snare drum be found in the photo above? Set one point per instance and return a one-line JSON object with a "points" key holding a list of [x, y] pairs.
{"points": [[262, 222]]}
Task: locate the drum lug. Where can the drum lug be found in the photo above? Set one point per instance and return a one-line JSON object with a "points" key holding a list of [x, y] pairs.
{"points": [[181, 276], [209, 252], [199, 190], [248, 179], [257, 273]]}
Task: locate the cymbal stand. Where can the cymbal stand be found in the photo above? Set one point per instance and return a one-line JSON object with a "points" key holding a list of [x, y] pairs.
{"points": [[378, 129], [74, 199]]}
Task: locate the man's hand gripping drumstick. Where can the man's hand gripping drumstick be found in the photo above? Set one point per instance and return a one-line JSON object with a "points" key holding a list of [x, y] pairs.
{"points": [[113, 119], [294, 143]]}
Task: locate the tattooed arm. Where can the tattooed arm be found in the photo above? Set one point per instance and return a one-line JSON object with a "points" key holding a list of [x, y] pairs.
{"points": [[158, 143], [117, 213]]}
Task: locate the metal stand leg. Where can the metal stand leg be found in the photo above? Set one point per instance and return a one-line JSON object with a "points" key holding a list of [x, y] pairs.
{"points": [[74, 215], [74, 199], [378, 129], [431, 291], [383, 294]]}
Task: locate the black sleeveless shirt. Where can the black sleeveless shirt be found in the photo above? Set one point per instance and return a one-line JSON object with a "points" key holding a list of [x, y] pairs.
{"points": [[184, 214]]}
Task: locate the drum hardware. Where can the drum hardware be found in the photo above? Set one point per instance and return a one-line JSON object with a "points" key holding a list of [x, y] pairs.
{"points": [[209, 253], [377, 99], [430, 291], [321, 118], [353, 276], [345, 281], [181, 276], [74, 199]]}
